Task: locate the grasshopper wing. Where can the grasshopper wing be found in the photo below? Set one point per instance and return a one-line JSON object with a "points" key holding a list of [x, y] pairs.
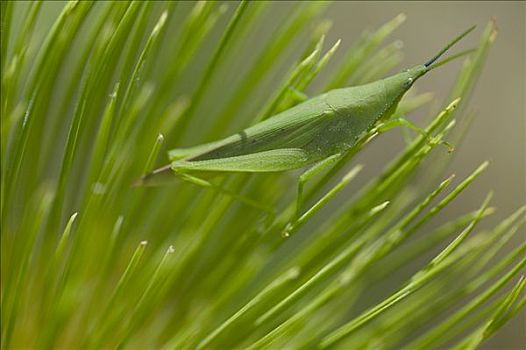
{"points": [[293, 128]]}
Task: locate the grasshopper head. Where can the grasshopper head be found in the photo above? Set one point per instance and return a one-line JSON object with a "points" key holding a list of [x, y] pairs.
{"points": [[397, 85], [378, 100]]}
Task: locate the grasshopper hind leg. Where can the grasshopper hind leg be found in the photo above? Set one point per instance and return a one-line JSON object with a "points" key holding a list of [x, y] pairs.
{"points": [[157, 177], [243, 199], [166, 174]]}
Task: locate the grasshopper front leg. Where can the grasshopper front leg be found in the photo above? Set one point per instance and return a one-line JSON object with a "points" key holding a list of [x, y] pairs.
{"points": [[298, 221], [298, 95], [307, 175], [406, 123]]}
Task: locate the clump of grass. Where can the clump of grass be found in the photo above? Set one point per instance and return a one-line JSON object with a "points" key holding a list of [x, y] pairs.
{"points": [[95, 101]]}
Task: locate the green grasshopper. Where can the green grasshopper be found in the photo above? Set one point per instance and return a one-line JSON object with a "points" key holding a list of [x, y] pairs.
{"points": [[317, 131]]}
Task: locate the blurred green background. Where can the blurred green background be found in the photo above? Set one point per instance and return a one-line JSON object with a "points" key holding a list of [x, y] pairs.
{"points": [[498, 131]]}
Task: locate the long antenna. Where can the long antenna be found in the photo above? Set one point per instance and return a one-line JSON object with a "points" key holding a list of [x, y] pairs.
{"points": [[451, 58], [448, 46]]}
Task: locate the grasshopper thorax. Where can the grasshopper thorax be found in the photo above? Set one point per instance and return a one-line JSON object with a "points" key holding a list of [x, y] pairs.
{"points": [[374, 101]]}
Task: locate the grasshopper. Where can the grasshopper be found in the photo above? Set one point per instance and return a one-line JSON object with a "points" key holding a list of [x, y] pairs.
{"points": [[315, 132]]}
